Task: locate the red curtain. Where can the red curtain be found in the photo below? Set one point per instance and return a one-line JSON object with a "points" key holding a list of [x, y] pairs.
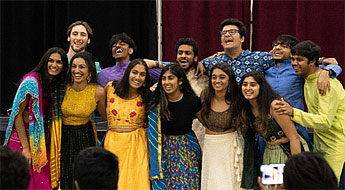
{"points": [[319, 21], [199, 20]]}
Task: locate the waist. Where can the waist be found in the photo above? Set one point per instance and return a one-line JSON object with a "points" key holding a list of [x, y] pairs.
{"points": [[75, 121], [76, 127], [208, 131], [123, 128]]}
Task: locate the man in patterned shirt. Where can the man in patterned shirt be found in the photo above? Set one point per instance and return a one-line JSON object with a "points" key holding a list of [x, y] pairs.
{"points": [[233, 32]]}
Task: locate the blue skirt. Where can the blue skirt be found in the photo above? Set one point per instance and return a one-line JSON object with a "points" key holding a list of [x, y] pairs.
{"points": [[180, 163]]}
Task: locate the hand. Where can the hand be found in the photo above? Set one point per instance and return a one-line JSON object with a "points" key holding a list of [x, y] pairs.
{"points": [[216, 54], [26, 153], [269, 187], [329, 61], [281, 107], [200, 70], [323, 82]]}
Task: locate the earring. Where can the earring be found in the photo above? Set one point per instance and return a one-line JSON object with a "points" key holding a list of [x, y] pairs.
{"points": [[229, 89], [144, 85], [180, 87], [72, 79], [89, 78]]}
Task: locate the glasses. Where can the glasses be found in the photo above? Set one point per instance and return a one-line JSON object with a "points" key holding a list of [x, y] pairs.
{"points": [[282, 44], [231, 32]]}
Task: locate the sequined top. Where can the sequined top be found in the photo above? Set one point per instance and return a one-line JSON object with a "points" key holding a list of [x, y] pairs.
{"points": [[218, 121], [77, 106], [122, 113], [274, 131]]}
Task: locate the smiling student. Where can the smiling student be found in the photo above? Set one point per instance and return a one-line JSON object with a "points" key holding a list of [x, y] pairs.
{"points": [[326, 114], [126, 137], [174, 149], [122, 48]]}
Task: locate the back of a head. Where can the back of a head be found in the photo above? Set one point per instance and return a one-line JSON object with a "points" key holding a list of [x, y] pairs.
{"points": [[14, 170], [96, 168], [308, 170]]}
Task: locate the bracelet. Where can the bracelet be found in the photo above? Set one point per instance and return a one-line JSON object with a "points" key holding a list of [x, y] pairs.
{"points": [[157, 64], [329, 70]]}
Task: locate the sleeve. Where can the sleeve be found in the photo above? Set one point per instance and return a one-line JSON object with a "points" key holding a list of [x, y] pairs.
{"points": [[165, 63], [323, 119], [154, 73], [208, 63], [268, 61], [98, 67], [335, 68], [100, 79]]}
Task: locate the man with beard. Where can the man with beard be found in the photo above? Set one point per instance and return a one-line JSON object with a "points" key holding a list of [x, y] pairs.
{"points": [[187, 57], [79, 35], [122, 48]]}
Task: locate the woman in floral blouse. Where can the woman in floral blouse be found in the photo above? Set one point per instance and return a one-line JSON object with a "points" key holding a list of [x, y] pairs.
{"points": [[126, 136]]}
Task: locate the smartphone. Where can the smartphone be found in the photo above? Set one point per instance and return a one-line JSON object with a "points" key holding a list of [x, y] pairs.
{"points": [[272, 174]]}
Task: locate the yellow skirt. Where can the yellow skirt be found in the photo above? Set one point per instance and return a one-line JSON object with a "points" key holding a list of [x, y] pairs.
{"points": [[132, 150]]}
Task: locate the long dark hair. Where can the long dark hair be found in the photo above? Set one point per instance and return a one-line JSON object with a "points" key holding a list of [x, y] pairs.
{"points": [[160, 96], [42, 70], [264, 100], [122, 86], [88, 58], [230, 95]]}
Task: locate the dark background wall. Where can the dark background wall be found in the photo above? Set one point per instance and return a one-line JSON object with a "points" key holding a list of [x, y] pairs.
{"points": [[29, 28]]}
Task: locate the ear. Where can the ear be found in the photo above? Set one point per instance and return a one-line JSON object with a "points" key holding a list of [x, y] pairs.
{"points": [[88, 41], [76, 185], [242, 39], [196, 59], [180, 82], [130, 51], [68, 39], [312, 62]]}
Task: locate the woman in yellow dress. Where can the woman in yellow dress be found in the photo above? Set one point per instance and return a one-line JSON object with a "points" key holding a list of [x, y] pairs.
{"points": [[126, 136], [83, 96]]}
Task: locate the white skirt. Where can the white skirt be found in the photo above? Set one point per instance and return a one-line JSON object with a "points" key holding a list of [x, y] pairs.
{"points": [[222, 162]]}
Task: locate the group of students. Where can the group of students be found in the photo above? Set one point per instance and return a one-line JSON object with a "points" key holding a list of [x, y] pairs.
{"points": [[152, 130]]}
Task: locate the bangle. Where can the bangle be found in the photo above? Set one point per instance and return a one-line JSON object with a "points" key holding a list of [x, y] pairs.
{"points": [[157, 64]]}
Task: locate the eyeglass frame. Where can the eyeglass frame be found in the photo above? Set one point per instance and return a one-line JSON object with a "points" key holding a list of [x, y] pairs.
{"points": [[282, 44], [231, 32]]}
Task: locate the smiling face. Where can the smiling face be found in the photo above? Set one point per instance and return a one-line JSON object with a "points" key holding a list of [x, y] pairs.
{"points": [[250, 88], [137, 76], [231, 41], [54, 65], [281, 51], [79, 70], [220, 80], [301, 65], [78, 38], [171, 84], [185, 56], [121, 51]]}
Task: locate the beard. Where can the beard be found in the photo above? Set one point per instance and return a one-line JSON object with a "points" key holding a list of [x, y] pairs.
{"points": [[81, 49]]}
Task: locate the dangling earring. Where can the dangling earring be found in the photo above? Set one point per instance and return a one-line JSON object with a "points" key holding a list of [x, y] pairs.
{"points": [[144, 85], [89, 78], [180, 87], [229, 89], [72, 80]]}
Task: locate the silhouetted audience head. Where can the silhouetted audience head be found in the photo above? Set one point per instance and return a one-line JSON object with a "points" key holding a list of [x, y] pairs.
{"points": [[96, 168], [308, 170], [14, 170]]}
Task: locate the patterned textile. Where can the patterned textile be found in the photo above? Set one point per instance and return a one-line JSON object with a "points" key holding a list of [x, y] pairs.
{"points": [[78, 106], [246, 62], [122, 113], [55, 123], [155, 144], [181, 162], [31, 85]]}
